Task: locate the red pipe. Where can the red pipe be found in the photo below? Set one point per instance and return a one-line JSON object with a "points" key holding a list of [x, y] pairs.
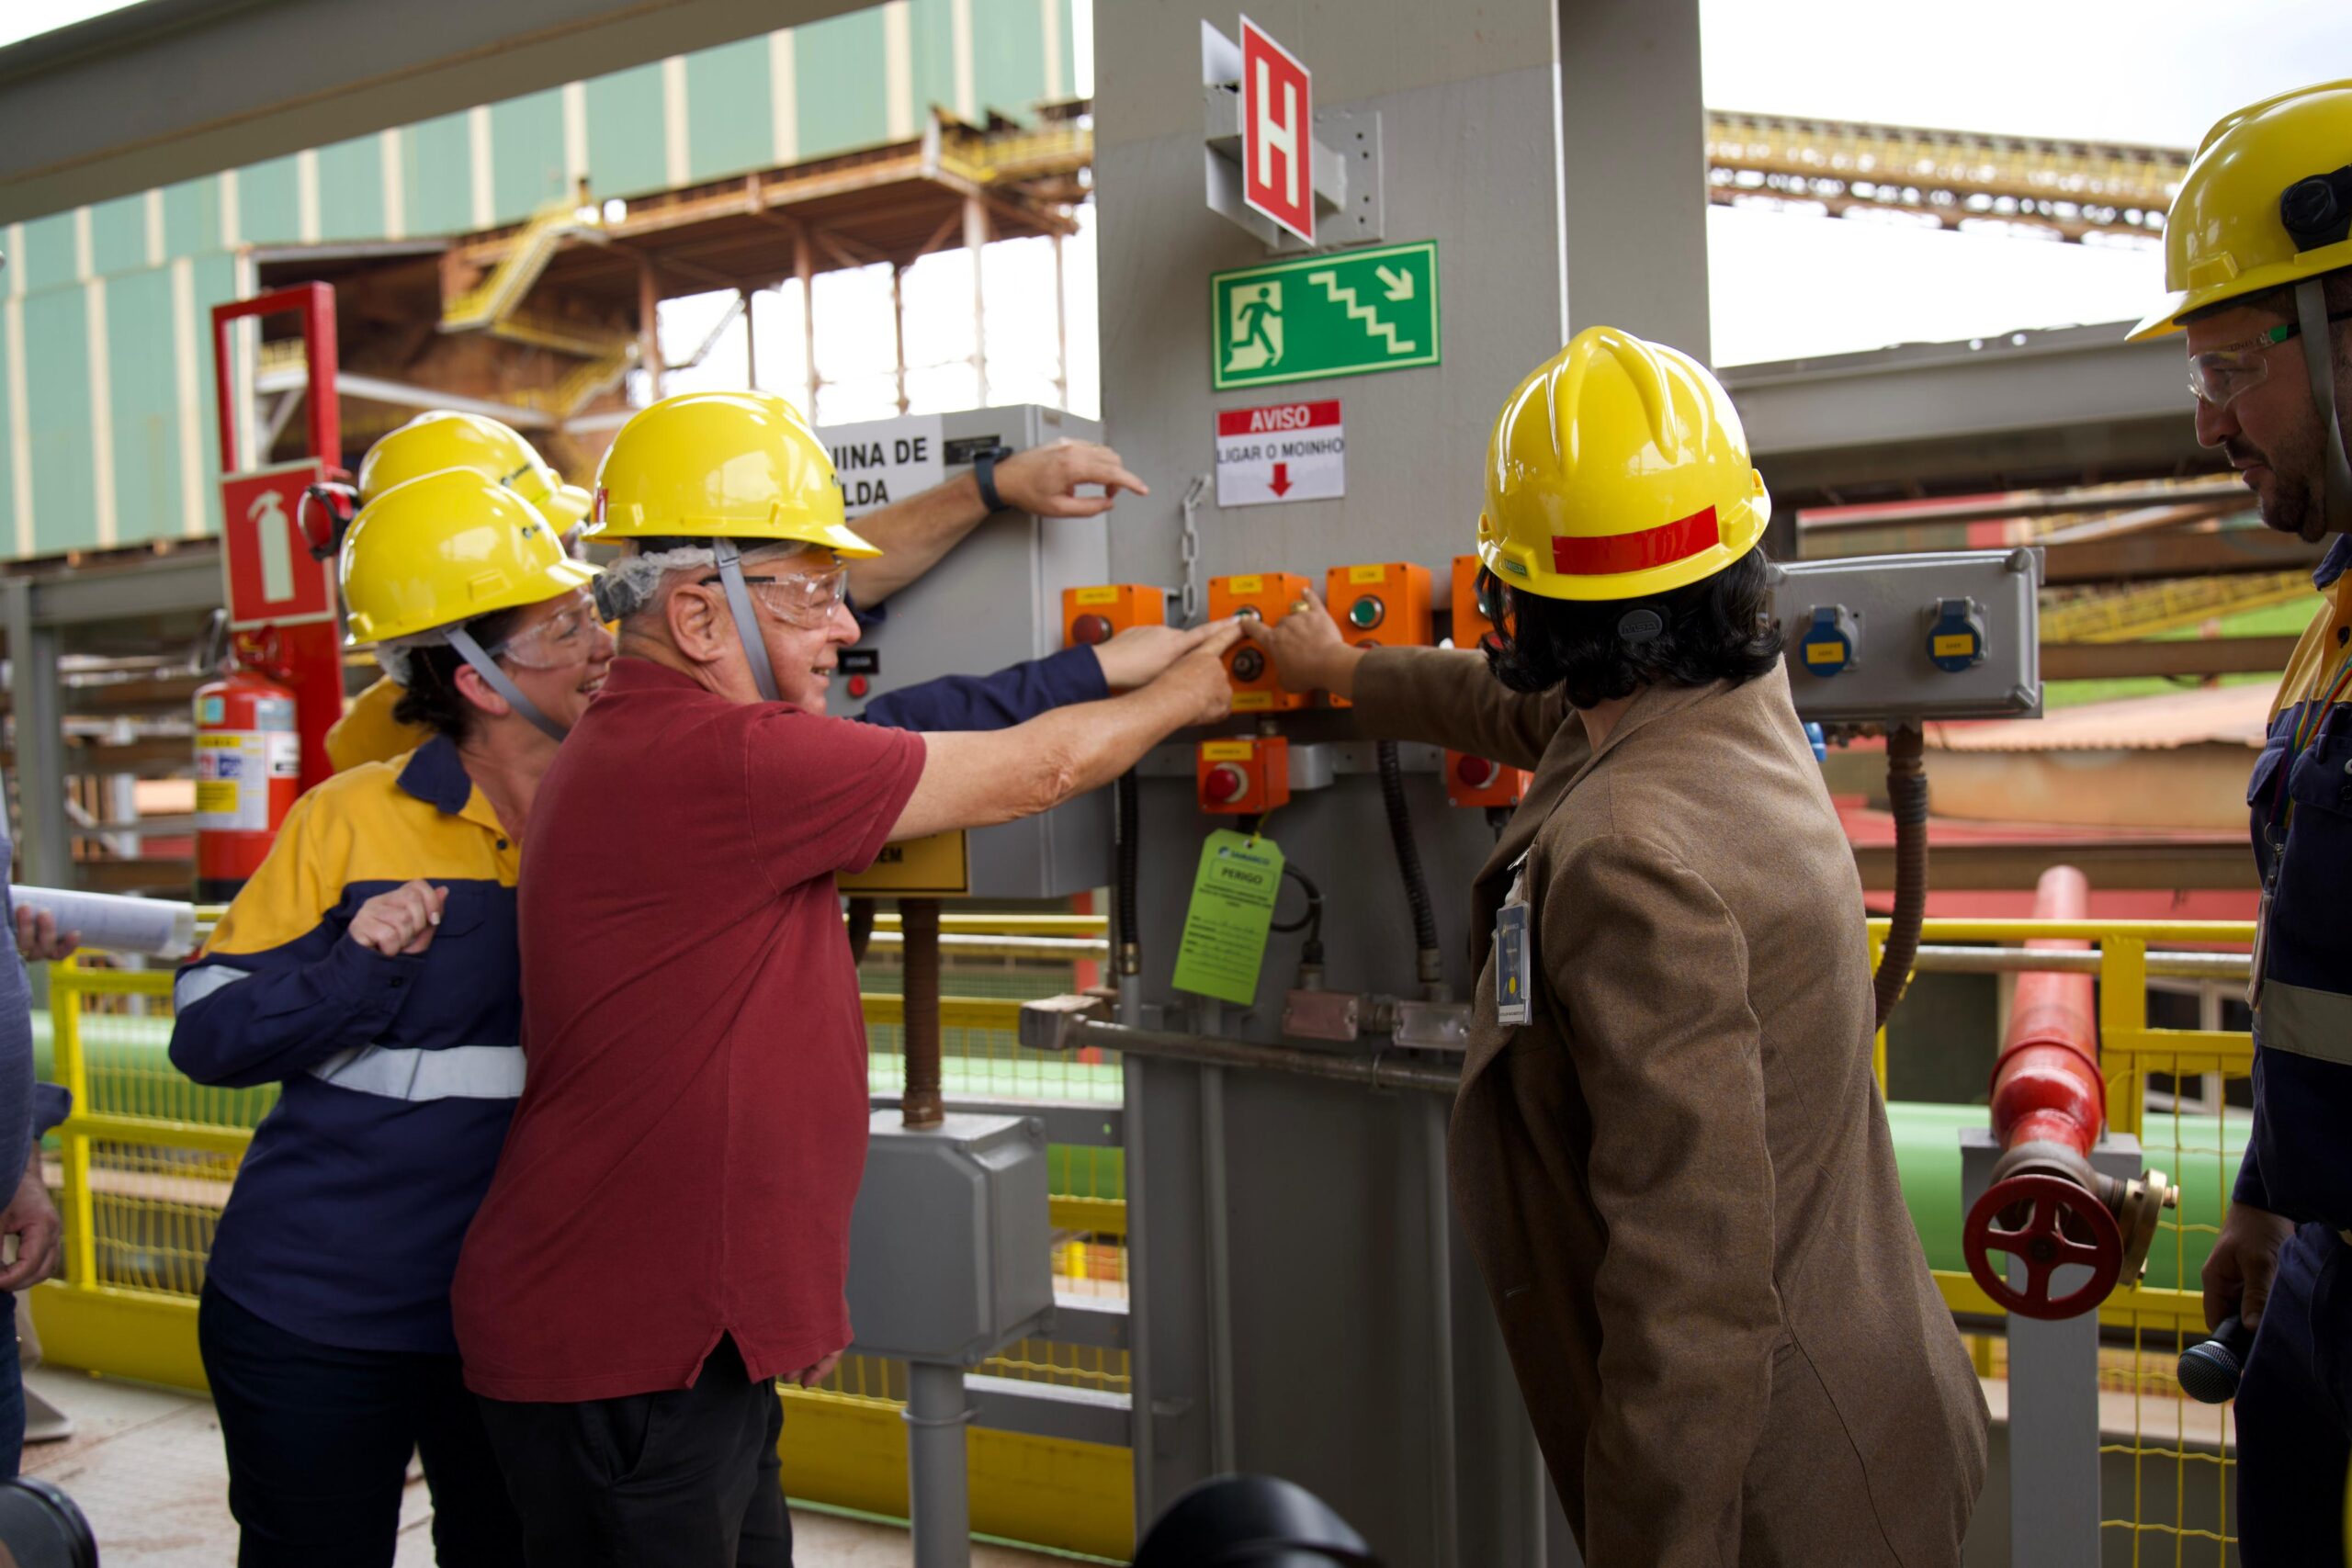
{"points": [[2046, 1082], [2045, 1209]]}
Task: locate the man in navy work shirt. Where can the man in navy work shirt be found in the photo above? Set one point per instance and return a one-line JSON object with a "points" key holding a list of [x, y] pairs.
{"points": [[2256, 252]]}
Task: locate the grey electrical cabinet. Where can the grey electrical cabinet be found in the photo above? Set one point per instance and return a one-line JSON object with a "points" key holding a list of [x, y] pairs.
{"points": [[1881, 639], [951, 1246], [994, 601]]}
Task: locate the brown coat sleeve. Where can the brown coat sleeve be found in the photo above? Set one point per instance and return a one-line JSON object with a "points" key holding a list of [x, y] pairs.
{"points": [[1447, 698], [1651, 973]]}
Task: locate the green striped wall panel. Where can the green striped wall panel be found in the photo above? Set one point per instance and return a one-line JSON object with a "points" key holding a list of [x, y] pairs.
{"points": [[216, 283], [57, 359], [48, 261], [192, 217], [838, 74], [268, 204], [118, 235], [1008, 56], [351, 190], [626, 152], [526, 154], [143, 370], [730, 117], [437, 170], [932, 25]]}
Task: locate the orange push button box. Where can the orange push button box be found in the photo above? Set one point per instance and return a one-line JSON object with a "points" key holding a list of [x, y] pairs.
{"points": [[1246, 777], [1268, 597], [1480, 781], [1470, 623], [1092, 616], [1382, 606]]}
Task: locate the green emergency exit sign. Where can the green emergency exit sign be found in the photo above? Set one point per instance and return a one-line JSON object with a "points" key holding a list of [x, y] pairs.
{"points": [[1344, 314]]}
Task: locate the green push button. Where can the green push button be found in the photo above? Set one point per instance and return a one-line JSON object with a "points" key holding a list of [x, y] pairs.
{"points": [[1367, 613]]}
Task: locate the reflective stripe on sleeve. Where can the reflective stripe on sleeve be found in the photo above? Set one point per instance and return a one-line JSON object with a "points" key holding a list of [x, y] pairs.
{"points": [[461, 1072], [2307, 1022], [194, 985]]}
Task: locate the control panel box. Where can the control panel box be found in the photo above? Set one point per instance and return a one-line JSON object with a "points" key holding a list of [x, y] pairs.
{"points": [[1380, 605], [1876, 639], [1267, 596], [950, 1246], [1481, 781], [1471, 624], [995, 600]]}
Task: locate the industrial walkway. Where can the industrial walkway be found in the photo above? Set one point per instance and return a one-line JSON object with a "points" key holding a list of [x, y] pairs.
{"points": [[144, 1463]]}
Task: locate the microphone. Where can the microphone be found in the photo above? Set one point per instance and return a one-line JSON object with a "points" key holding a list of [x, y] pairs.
{"points": [[2210, 1370]]}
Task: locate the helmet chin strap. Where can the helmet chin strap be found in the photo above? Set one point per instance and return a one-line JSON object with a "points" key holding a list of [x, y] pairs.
{"points": [[747, 624], [487, 668], [2319, 359]]}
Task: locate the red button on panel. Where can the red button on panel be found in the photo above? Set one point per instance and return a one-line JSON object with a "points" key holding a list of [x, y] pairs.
{"points": [[857, 685], [1476, 773], [1225, 782], [1089, 629]]}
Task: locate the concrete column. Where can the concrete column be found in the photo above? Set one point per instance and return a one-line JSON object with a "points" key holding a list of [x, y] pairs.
{"points": [[1633, 169]]}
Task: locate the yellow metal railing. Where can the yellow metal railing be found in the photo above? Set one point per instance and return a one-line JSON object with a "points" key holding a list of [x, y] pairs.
{"points": [[2145, 610]]}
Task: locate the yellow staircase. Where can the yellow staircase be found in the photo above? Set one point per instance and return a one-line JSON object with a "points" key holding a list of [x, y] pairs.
{"points": [[489, 304]]}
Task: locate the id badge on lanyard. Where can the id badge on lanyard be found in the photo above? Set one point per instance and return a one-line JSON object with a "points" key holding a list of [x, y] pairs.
{"points": [[1514, 965]]}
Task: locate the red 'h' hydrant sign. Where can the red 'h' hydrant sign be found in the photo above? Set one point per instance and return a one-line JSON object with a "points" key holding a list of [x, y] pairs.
{"points": [[1277, 133]]}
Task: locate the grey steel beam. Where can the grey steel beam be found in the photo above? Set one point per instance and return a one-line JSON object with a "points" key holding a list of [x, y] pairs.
{"points": [[186, 580], [1100, 1322], [2216, 861], [2140, 557], [1947, 417], [1050, 1410], [171, 89], [2186, 656]]}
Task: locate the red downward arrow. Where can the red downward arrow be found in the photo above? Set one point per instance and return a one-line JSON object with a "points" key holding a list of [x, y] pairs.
{"points": [[1281, 479]]}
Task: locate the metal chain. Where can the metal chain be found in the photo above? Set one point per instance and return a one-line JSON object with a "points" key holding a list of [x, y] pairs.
{"points": [[1188, 551]]}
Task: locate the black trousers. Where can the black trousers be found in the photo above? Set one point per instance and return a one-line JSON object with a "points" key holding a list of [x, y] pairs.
{"points": [[686, 1478], [318, 1439], [2295, 1410]]}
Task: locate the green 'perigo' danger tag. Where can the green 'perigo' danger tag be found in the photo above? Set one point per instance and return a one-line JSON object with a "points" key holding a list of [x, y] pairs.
{"points": [[1225, 926]]}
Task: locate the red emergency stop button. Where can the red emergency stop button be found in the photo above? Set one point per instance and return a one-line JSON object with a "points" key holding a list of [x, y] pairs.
{"points": [[1477, 772], [1224, 783], [1089, 629], [857, 685]]}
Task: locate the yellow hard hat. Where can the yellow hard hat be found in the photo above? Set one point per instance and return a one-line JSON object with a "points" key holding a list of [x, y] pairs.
{"points": [[447, 439], [1618, 469], [440, 550], [722, 465], [2281, 160]]}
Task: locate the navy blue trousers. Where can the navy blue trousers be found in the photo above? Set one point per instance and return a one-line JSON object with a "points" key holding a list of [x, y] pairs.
{"points": [[318, 1438], [2295, 1410]]}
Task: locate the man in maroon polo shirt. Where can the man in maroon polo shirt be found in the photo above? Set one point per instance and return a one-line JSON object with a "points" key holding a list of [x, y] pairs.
{"points": [[668, 1230]]}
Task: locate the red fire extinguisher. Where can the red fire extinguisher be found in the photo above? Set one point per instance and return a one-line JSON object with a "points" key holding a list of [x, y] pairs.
{"points": [[248, 771]]}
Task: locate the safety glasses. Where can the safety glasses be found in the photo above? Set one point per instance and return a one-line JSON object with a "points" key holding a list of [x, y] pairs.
{"points": [[2221, 376], [805, 599], [570, 637]]}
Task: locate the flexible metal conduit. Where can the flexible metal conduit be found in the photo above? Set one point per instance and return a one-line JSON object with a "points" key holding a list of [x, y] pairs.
{"points": [[923, 1106], [1906, 795]]}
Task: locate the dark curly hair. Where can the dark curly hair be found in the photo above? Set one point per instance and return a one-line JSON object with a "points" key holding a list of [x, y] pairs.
{"points": [[431, 697], [1718, 628]]}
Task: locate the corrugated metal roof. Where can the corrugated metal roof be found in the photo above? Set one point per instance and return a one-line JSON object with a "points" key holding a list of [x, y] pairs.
{"points": [[2225, 716]]}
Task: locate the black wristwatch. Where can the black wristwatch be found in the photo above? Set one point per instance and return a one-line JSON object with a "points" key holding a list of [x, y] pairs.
{"points": [[984, 471]]}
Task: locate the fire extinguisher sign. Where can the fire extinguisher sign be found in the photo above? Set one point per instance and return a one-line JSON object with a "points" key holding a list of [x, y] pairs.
{"points": [[234, 767], [272, 580]]}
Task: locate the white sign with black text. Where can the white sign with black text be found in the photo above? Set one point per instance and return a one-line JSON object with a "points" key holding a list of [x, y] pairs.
{"points": [[886, 460], [1281, 452]]}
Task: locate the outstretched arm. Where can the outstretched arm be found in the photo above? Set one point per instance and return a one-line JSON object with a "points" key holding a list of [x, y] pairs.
{"points": [[912, 534]]}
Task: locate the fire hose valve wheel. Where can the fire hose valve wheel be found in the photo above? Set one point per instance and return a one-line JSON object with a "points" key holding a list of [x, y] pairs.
{"points": [[2048, 1222]]}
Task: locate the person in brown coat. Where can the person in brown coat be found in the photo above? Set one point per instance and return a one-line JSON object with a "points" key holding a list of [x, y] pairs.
{"points": [[1668, 1152]]}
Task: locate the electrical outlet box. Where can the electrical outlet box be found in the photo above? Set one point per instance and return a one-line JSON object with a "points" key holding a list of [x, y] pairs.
{"points": [[1898, 639], [1269, 596]]}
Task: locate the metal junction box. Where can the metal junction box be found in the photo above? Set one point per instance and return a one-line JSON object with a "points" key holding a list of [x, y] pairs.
{"points": [[995, 600], [950, 1248], [1903, 639]]}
